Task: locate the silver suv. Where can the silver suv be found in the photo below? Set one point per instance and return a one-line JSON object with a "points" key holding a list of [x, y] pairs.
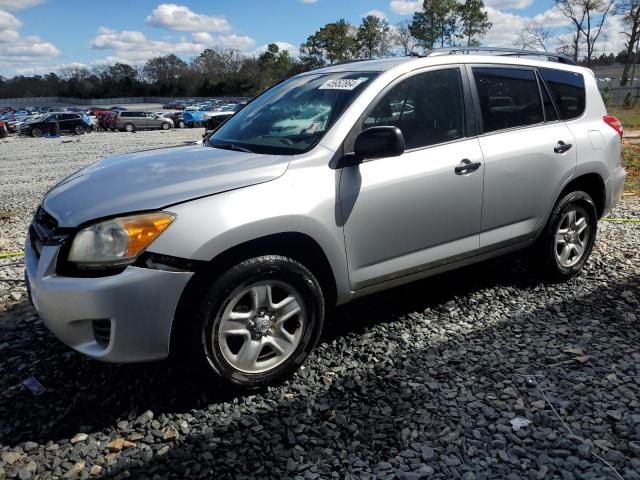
{"points": [[130, 121], [332, 185]]}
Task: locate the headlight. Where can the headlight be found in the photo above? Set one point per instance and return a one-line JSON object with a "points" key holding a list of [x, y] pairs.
{"points": [[117, 241]]}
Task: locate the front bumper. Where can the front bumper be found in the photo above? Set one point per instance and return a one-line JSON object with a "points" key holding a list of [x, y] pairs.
{"points": [[135, 308]]}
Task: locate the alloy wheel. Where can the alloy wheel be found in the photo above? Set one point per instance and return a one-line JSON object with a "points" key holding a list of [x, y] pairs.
{"points": [[572, 237], [261, 326]]}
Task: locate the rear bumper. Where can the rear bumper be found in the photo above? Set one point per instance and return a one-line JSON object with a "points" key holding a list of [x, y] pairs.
{"points": [[136, 308], [614, 186]]}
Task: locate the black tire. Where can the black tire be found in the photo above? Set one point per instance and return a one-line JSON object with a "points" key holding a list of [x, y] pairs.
{"points": [[547, 250], [165, 126], [219, 294], [79, 130], [181, 124], [36, 132], [129, 127]]}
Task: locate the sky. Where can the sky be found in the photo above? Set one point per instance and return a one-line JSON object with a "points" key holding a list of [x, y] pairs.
{"points": [[39, 36]]}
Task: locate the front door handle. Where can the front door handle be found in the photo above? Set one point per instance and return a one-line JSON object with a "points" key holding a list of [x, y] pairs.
{"points": [[562, 147], [467, 166]]}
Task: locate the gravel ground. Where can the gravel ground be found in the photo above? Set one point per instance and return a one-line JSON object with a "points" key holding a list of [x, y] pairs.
{"points": [[425, 381]]}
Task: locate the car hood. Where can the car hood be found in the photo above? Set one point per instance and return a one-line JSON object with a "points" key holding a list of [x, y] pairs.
{"points": [[156, 179]]}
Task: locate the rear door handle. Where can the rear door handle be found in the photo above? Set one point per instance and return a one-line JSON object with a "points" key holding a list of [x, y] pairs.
{"points": [[467, 166], [562, 147]]}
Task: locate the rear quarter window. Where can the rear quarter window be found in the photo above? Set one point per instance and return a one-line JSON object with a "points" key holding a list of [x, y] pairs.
{"points": [[509, 97], [567, 89]]}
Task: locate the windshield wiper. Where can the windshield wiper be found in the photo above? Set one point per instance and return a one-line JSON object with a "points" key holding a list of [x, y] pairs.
{"points": [[230, 146]]}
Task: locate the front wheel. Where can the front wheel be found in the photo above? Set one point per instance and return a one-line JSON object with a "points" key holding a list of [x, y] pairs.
{"points": [[79, 130], [259, 321], [165, 126], [181, 124], [130, 127], [567, 241]]}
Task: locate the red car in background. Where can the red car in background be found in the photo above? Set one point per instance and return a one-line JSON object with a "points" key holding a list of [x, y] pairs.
{"points": [[97, 111], [105, 119]]}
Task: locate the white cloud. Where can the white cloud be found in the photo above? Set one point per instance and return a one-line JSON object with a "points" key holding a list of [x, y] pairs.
{"points": [[376, 13], [18, 52], [405, 7], [551, 18], [13, 5], [9, 22], [515, 4], [135, 47], [505, 29], [292, 49], [179, 17]]}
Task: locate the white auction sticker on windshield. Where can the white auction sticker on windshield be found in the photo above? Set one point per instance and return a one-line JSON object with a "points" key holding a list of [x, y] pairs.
{"points": [[342, 84]]}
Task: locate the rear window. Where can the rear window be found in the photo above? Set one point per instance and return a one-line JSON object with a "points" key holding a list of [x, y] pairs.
{"points": [[568, 92], [509, 97]]}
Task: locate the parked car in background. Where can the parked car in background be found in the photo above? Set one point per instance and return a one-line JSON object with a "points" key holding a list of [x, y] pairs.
{"points": [[95, 111], [194, 119], [214, 121], [175, 105], [178, 119], [118, 108], [43, 124], [130, 121], [104, 120]]}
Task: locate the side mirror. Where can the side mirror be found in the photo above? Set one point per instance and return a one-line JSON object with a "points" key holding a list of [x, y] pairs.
{"points": [[374, 142]]}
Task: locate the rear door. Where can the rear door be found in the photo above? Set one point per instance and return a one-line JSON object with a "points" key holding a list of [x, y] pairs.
{"points": [[528, 152], [67, 121], [405, 214]]}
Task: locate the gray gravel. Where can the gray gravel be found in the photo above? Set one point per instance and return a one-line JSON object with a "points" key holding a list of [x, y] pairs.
{"points": [[424, 381]]}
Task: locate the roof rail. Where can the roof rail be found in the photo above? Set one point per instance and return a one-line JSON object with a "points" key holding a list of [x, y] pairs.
{"points": [[507, 52]]}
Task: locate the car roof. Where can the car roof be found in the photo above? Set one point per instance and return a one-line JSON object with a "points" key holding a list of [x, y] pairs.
{"points": [[412, 62]]}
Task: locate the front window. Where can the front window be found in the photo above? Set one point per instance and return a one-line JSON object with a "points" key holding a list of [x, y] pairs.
{"points": [[292, 117]]}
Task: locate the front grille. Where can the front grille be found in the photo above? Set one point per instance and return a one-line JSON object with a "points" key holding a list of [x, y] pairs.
{"points": [[102, 332]]}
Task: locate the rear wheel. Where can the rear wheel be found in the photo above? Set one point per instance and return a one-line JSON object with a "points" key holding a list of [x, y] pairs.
{"points": [[36, 132], [129, 127], [165, 126], [79, 130], [181, 124], [567, 241], [258, 321]]}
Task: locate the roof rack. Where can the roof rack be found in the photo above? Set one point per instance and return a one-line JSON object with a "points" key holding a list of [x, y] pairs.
{"points": [[507, 52]]}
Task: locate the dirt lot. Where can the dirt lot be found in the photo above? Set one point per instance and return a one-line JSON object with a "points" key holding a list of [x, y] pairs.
{"points": [[425, 381]]}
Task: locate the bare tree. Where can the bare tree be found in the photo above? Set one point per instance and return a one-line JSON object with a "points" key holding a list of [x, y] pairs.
{"points": [[630, 9], [402, 37], [587, 18], [533, 36]]}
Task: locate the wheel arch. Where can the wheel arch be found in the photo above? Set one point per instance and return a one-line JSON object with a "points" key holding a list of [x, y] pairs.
{"points": [[591, 183], [298, 246]]}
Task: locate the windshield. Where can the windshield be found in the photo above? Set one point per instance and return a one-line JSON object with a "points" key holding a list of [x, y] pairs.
{"points": [[293, 116]]}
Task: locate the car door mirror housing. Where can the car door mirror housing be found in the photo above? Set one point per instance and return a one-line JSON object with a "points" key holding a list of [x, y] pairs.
{"points": [[375, 142]]}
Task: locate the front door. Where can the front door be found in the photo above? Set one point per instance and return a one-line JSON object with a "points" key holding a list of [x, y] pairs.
{"points": [[407, 213]]}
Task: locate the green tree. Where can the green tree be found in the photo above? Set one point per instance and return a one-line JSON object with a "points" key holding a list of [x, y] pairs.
{"points": [[335, 42], [373, 37], [435, 24], [312, 53], [275, 65], [473, 19]]}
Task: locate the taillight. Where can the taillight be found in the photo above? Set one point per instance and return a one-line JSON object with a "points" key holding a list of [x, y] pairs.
{"points": [[614, 123]]}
